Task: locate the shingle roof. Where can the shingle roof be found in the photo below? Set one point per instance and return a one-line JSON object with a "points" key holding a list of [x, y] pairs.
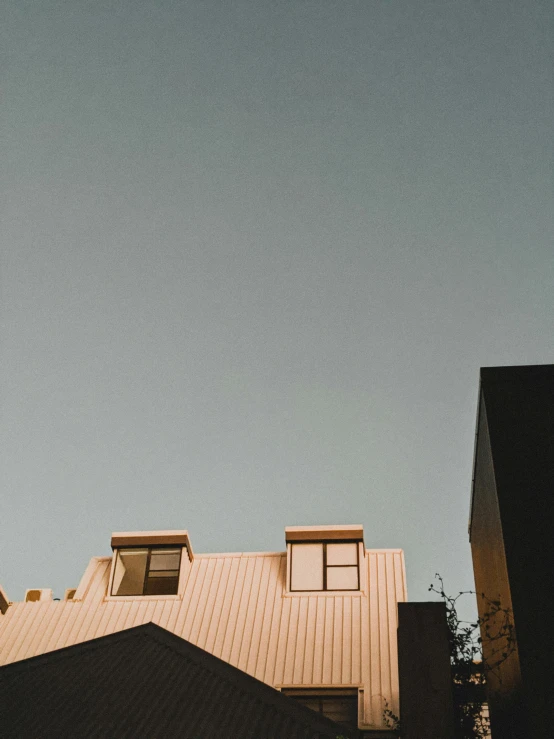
{"points": [[146, 682]]}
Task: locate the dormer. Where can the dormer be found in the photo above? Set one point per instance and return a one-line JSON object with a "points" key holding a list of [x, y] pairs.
{"points": [[4, 601], [149, 564], [324, 558]]}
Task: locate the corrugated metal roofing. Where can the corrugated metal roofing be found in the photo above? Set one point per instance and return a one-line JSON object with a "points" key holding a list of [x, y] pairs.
{"points": [[235, 606], [146, 682]]}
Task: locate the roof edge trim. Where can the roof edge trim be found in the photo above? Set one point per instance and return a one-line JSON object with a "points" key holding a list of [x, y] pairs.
{"points": [[354, 532], [149, 538]]}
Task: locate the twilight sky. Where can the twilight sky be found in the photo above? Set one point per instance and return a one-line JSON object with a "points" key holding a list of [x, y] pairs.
{"points": [[253, 256]]}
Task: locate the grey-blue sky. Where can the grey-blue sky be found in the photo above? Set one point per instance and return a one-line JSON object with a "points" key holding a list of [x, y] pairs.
{"points": [[254, 255]]}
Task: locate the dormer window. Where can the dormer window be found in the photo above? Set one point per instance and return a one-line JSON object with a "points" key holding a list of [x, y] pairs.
{"points": [[324, 558], [149, 563], [147, 571]]}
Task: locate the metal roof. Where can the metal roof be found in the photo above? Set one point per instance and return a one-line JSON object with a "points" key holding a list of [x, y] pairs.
{"points": [[147, 682], [236, 607]]}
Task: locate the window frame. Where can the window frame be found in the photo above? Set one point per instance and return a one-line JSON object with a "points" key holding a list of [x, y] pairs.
{"points": [[180, 573], [320, 692], [324, 542]]}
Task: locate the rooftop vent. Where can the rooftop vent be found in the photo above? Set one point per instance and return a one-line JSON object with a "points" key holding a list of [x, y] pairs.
{"points": [[38, 594]]}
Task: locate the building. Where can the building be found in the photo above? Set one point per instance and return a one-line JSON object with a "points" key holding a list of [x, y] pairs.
{"points": [[511, 524], [317, 622]]}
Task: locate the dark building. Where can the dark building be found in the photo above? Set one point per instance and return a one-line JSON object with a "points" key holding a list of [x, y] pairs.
{"points": [[426, 701], [511, 529], [147, 682]]}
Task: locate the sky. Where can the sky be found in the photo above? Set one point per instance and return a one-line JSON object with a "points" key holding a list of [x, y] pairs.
{"points": [[253, 257]]}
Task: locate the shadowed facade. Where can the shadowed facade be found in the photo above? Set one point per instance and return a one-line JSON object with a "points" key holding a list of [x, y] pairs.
{"points": [[511, 528]]}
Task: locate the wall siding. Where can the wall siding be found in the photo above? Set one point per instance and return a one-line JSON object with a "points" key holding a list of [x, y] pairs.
{"points": [[235, 606]]}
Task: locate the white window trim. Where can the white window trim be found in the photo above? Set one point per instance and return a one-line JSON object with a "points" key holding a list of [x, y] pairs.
{"points": [[328, 593]]}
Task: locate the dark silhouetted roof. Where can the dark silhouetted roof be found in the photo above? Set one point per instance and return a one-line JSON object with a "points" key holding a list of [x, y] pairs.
{"points": [[146, 682]]}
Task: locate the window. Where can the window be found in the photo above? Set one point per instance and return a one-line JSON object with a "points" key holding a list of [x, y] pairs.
{"points": [[147, 571], [340, 705], [324, 565]]}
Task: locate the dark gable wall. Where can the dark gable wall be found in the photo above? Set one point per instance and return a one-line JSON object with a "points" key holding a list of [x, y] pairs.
{"points": [[491, 578], [147, 682], [511, 533]]}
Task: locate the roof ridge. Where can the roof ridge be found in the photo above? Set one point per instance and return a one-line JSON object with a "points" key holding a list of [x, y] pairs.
{"points": [[203, 660]]}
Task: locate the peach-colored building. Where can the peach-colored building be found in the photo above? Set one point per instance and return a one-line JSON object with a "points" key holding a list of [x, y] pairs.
{"points": [[317, 621]]}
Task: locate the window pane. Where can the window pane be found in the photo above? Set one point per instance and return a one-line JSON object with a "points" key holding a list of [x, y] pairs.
{"points": [[164, 573], [342, 554], [165, 559], [338, 705], [343, 710], [314, 704], [307, 567], [342, 578], [162, 585], [130, 569]]}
